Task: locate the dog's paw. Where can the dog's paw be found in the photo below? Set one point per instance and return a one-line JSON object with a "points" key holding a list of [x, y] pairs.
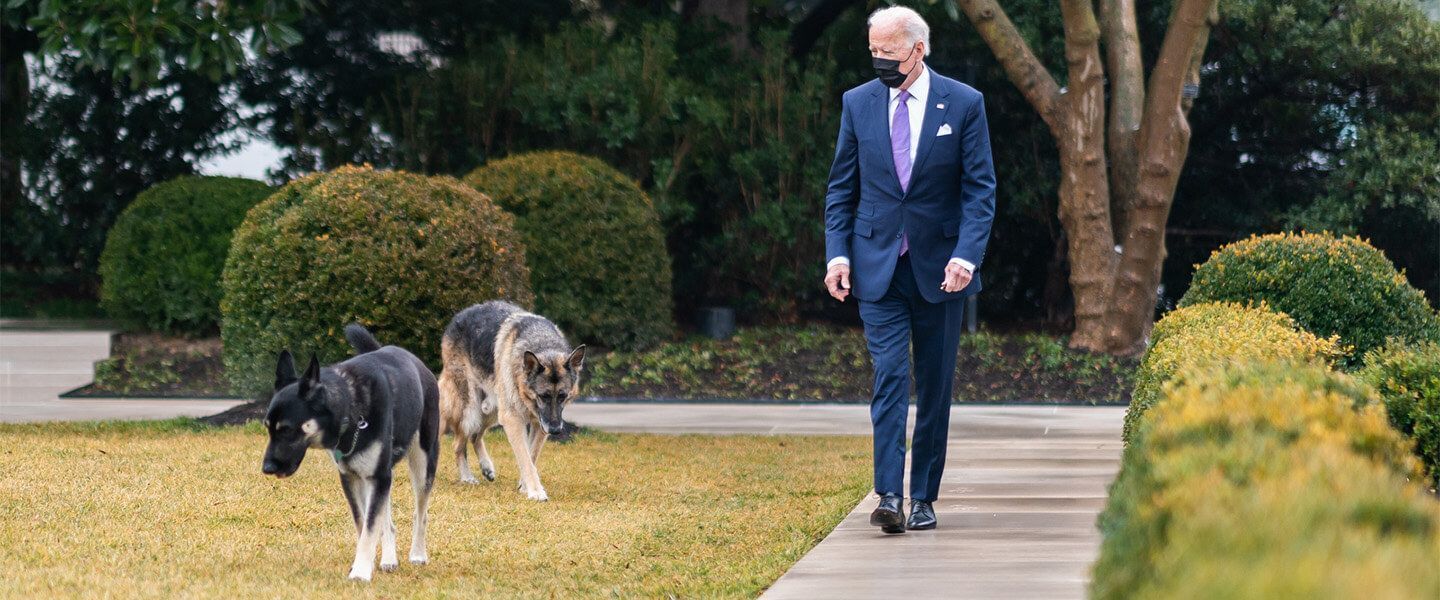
{"points": [[359, 574], [470, 480], [489, 474], [419, 560], [539, 496], [388, 567]]}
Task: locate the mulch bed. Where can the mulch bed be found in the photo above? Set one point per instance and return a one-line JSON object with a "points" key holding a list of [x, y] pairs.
{"points": [[783, 364]]}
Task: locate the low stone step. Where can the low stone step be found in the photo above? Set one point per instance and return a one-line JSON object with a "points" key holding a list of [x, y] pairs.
{"points": [[10, 338], [55, 353]]}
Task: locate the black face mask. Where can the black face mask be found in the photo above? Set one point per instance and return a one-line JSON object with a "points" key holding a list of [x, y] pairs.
{"points": [[888, 70]]}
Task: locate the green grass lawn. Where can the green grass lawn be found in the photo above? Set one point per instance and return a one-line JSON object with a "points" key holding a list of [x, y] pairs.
{"points": [[175, 509]]}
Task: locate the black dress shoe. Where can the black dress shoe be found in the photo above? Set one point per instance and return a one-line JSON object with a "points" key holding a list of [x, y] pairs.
{"points": [[888, 515], [922, 515]]}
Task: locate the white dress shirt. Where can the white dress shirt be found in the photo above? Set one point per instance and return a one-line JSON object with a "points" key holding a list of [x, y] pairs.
{"points": [[919, 93]]}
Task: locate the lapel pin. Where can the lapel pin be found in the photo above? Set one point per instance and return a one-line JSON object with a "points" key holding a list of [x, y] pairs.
{"points": [[940, 106]]}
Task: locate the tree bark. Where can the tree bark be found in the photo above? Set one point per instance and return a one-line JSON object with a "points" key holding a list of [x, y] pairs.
{"points": [[1127, 98], [1084, 187], [1164, 143]]}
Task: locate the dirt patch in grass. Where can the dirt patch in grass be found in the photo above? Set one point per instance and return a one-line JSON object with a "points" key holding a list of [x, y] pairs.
{"points": [[177, 509]]}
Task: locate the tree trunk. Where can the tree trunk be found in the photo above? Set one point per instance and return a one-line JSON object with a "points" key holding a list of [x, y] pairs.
{"points": [[1127, 98], [1128, 196], [1164, 143], [1084, 188]]}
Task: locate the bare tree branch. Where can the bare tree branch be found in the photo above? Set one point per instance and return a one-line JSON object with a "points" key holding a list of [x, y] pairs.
{"points": [[1015, 56]]}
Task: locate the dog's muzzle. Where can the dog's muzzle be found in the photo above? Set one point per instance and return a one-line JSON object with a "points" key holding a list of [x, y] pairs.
{"points": [[271, 467]]}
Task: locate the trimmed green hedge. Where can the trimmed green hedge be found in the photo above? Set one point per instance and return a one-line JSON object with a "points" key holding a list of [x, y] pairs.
{"points": [[398, 252], [1330, 286], [1209, 485], [1202, 336], [596, 250], [163, 257], [1324, 523], [1408, 378]]}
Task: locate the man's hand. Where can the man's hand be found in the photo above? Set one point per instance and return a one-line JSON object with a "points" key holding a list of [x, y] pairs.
{"points": [[837, 281], [956, 278]]}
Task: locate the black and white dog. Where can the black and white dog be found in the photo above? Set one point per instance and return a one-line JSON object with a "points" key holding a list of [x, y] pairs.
{"points": [[368, 411]]}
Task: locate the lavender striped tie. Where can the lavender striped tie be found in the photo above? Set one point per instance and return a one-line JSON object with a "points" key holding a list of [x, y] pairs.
{"points": [[900, 149]]}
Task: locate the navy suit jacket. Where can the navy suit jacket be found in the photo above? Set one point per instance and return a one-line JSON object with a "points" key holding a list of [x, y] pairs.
{"points": [[946, 212]]}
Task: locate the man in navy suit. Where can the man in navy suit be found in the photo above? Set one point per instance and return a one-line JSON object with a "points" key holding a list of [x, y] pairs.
{"points": [[907, 217]]}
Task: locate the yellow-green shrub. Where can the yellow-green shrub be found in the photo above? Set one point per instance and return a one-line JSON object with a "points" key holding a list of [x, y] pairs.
{"points": [[163, 257], [1325, 523], [1408, 378], [1237, 425], [595, 248], [398, 252], [1212, 334], [1330, 286]]}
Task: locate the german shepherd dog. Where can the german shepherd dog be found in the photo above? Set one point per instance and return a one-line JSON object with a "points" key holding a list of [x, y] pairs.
{"points": [[506, 366], [369, 412]]}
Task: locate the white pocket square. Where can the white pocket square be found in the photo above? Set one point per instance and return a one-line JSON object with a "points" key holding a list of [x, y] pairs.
{"points": [[944, 130]]}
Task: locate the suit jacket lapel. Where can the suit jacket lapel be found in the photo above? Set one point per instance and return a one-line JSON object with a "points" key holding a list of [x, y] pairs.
{"points": [[880, 119], [939, 93]]}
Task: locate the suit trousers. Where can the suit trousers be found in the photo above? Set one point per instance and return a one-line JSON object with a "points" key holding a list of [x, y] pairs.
{"points": [[891, 323]]}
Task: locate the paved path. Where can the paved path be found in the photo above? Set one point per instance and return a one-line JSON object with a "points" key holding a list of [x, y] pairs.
{"points": [[39, 363], [1017, 506]]}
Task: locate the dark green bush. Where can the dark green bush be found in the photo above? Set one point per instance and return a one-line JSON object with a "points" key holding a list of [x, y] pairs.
{"points": [[1408, 378], [162, 260], [1221, 434], [1203, 336], [596, 252], [398, 252], [1330, 286]]}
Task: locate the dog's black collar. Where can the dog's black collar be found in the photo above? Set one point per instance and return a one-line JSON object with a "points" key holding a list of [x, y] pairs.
{"points": [[356, 409], [354, 438]]}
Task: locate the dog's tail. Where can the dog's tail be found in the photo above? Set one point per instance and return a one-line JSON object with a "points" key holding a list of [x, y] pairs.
{"points": [[360, 339]]}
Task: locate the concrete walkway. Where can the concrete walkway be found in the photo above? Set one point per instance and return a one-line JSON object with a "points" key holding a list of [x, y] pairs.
{"points": [[1017, 507], [38, 363]]}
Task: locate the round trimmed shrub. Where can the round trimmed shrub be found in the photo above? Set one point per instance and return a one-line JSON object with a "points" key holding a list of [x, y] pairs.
{"points": [[1330, 286], [398, 252], [595, 247], [1201, 336], [161, 265], [1408, 379]]}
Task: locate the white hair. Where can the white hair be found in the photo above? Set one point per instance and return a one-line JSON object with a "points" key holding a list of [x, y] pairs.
{"points": [[909, 22]]}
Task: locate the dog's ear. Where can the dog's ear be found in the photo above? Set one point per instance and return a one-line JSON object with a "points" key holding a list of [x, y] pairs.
{"points": [[284, 370], [311, 381], [532, 363], [577, 358]]}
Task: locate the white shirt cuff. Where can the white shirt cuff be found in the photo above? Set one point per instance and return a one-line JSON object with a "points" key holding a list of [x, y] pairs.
{"points": [[839, 260], [969, 266]]}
